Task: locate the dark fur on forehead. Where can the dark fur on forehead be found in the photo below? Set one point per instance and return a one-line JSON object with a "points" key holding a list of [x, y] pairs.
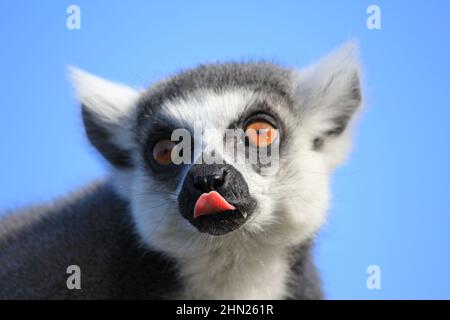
{"points": [[258, 76]]}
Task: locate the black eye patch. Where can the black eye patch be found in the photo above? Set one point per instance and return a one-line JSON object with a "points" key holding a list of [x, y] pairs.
{"points": [[156, 133]]}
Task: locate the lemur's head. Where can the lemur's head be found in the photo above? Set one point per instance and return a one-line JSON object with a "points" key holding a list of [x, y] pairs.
{"points": [[215, 196]]}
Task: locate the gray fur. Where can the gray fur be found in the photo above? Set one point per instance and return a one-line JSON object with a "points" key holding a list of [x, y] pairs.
{"points": [[91, 229], [100, 137], [38, 244], [262, 76]]}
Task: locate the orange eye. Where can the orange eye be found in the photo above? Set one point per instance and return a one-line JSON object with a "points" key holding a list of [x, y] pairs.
{"points": [[261, 134], [162, 152]]}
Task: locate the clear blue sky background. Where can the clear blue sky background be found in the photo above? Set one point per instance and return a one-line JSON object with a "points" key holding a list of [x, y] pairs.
{"points": [[391, 199]]}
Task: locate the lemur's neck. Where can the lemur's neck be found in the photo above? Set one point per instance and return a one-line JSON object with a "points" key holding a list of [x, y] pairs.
{"points": [[263, 273], [235, 275]]}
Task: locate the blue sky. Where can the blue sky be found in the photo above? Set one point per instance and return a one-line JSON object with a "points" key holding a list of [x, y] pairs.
{"points": [[390, 200]]}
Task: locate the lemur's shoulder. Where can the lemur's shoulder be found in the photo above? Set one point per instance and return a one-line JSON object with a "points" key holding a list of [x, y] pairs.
{"points": [[91, 229]]}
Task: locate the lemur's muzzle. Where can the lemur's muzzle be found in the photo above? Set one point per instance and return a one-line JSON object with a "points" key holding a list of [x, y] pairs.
{"points": [[215, 198]]}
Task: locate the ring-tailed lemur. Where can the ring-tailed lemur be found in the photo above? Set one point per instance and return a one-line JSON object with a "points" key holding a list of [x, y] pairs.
{"points": [[156, 229]]}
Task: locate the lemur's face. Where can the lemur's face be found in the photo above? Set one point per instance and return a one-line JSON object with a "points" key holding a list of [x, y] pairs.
{"points": [[230, 114], [220, 190]]}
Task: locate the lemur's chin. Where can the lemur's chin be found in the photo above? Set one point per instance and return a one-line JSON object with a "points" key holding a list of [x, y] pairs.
{"points": [[220, 223], [215, 199]]}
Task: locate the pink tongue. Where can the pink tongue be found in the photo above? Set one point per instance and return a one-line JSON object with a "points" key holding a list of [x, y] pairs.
{"points": [[211, 202]]}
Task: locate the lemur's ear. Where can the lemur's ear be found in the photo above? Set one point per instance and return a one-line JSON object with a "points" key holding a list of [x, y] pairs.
{"points": [[107, 110], [328, 95]]}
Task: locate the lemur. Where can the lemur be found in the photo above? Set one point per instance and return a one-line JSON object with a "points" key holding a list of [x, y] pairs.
{"points": [[155, 229]]}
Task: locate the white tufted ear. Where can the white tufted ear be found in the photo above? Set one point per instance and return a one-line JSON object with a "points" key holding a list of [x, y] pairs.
{"points": [[107, 109], [328, 95]]}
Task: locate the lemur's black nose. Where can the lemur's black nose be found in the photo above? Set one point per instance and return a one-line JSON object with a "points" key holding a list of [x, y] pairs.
{"points": [[215, 198], [208, 177]]}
